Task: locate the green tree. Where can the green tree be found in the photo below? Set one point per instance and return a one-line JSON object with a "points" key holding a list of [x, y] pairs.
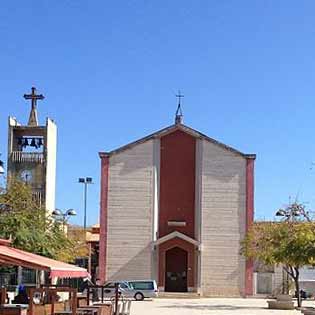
{"points": [[79, 248], [289, 243], [28, 226]]}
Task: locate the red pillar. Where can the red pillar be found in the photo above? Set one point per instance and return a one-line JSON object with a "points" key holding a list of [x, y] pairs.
{"points": [[103, 216], [249, 220]]}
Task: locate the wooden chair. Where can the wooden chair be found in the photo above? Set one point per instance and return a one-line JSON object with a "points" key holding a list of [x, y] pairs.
{"points": [[3, 296], [51, 294]]}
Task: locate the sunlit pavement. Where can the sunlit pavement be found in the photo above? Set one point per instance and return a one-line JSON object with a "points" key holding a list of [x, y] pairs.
{"points": [[207, 306]]}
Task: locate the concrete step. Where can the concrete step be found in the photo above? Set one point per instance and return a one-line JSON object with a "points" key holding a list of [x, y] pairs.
{"points": [[179, 295]]}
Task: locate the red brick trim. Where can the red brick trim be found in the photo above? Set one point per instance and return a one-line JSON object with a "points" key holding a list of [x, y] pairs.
{"points": [[177, 183], [103, 217], [249, 221]]}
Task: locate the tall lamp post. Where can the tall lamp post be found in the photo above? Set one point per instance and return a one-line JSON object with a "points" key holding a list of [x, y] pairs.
{"points": [[64, 215], [293, 212], [86, 181]]}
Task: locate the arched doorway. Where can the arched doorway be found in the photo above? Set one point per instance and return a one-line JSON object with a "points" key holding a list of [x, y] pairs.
{"points": [[176, 270]]}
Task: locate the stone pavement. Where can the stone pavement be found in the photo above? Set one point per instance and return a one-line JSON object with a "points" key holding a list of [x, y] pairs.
{"points": [[207, 306]]}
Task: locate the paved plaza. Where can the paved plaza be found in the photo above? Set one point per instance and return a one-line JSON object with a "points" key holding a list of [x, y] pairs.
{"points": [[207, 306]]}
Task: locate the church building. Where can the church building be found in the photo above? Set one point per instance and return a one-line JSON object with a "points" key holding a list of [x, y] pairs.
{"points": [[174, 207]]}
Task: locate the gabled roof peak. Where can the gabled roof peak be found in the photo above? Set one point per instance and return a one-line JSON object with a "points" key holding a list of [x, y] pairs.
{"points": [[171, 129]]}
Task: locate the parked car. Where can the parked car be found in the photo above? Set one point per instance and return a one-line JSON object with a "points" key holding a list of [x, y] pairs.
{"points": [[144, 289], [137, 289], [123, 288]]}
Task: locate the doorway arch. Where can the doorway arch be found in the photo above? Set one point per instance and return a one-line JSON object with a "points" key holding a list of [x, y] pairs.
{"points": [[176, 267]]}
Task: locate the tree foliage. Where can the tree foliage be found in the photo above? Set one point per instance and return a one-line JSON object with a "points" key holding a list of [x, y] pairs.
{"points": [[28, 225], [289, 243], [79, 248]]}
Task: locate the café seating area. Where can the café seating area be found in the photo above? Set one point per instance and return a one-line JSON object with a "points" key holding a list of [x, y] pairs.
{"points": [[49, 299], [57, 301]]}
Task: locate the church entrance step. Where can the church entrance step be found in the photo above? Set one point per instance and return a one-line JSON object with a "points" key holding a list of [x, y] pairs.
{"points": [[179, 295]]}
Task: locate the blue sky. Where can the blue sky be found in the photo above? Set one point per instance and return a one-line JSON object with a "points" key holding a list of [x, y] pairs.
{"points": [[110, 71]]}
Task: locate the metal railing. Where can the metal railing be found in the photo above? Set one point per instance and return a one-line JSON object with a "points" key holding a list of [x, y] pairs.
{"points": [[8, 279], [37, 196], [32, 157], [121, 304]]}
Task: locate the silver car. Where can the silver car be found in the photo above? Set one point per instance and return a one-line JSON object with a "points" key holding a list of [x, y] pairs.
{"points": [[143, 289], [123, 289], [137, 289]]}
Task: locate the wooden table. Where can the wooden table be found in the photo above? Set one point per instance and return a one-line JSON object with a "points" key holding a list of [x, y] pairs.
{"points": [[80, 298], [12, 309], [104, 309], [87, 311]]}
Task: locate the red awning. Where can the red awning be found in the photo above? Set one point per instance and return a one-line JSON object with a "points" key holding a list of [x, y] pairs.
{"points": [[16, 257]]}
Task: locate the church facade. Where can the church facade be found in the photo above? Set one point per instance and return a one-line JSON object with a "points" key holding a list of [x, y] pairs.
{"points": [[174, 207]]}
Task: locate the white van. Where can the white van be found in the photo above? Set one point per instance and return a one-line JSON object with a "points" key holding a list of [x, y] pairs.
{"points": [[143, 289]]}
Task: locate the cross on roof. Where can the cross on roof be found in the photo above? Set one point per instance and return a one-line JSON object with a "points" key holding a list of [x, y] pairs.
{"points": [[179, 96], [33, 121], [34, 97], [179, 114]]}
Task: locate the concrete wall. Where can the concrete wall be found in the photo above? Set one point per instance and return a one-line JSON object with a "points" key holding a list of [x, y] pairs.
{"points": [[278, 280], [223, 221], [130, 213]]}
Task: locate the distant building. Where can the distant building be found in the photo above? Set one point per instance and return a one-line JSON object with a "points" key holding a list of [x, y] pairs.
{"points": [[93, 240], [273, 280], [174, 207], [32, 155], [87, 246]]}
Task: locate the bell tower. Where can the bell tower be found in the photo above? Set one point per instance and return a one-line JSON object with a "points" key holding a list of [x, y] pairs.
{"points": [[32, 152]]}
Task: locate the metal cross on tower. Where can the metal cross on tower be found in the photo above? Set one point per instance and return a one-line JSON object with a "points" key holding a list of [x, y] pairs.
{"points": [[33, 121], [179, 114]]}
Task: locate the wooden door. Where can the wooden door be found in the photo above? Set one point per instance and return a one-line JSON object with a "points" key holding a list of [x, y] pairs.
{"points": [[176, 270]]}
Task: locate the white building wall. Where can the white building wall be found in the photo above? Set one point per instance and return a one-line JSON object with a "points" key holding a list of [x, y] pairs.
{"points": [[130, 213], [51, 166], [223, 219]]}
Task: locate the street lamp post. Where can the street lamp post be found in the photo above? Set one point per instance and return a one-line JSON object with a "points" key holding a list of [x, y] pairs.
{"points": [[1, 167], [293, 212], [86, 181], [64, 215]]}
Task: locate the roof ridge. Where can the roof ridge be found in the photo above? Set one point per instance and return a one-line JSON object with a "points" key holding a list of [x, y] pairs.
{"points": [[170, 129]]}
